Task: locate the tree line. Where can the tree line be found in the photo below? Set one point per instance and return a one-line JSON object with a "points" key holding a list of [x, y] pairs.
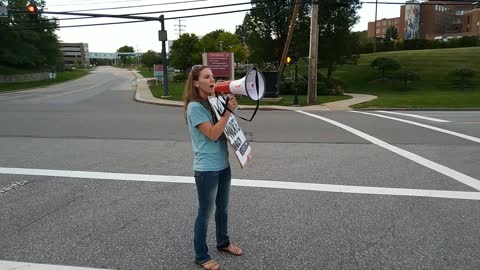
{"points": [[261, 37], [28, 41]]}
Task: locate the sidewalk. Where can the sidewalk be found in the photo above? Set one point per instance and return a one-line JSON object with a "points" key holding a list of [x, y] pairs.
{"points": [[143, 94]]}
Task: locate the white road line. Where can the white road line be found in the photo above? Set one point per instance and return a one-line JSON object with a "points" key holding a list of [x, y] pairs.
{"points": [[463, 178], [54, 95], [9, 265], [72, 92], [417, 116], [464, 195], [463, 136], [32, 94]]}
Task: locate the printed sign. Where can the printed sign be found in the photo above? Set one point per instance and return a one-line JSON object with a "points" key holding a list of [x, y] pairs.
{"points": [[235, 136], [3, 11], [158, 71], [220, 63]]}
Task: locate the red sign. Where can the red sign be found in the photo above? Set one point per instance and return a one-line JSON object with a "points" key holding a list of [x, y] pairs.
{"points": [[220, 63], [158, 67], [158, 70]]}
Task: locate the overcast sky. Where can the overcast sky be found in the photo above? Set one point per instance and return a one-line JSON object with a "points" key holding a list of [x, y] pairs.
{"points": [[144, 36]]}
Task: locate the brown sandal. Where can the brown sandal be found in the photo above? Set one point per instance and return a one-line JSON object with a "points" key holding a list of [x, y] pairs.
{"points": [[232, 249], [209, 265]]}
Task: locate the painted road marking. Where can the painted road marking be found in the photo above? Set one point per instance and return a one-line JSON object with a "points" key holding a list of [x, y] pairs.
{"points": [[464, 195], [54, 95], [9, 265], [463, 178], [71, 92], [467, 137], [417, 116]]}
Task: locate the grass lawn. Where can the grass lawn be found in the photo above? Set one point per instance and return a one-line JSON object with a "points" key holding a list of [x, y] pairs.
{"points": [[435, 89], [175, 90], [61, 77], [148, 73]]}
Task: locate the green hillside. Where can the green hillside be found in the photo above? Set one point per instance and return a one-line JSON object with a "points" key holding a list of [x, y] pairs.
{"points": [[435, 88]]}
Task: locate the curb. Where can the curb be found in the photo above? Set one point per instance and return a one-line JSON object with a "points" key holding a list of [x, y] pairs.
{"points": [[342, 105]]}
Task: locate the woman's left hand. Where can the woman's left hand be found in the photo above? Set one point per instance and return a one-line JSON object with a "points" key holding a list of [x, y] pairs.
{"points": [[232, 102]]}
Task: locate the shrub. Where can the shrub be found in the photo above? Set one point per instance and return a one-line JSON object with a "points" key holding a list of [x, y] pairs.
{"points": [[462, 76], [406, 76], [470, 41], [286, 87], [328, 86], [180, 77], [385, 64]]}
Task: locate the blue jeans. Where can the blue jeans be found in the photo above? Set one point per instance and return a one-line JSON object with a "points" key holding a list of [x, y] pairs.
{"points": [[213, 188]]}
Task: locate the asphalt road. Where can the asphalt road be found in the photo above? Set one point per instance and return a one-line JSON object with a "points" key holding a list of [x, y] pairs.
{"points": [[91, 178]]}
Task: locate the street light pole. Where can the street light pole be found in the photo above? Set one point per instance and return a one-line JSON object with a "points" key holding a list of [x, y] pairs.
{"points": [[162, 36], [295, 99], [375, 29]]}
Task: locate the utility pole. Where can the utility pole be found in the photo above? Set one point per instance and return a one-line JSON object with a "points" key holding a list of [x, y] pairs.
{"points": [[180, 25], [162, 36], [312, 66], [287, 43], [375, 29]]}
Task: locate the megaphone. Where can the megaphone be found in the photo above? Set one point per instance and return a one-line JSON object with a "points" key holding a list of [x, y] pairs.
{"points": [[252, 85]]}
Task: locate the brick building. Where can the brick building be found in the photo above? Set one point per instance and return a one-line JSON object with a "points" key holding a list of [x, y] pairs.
{"points": [[471, 22], [382, 26], [432, 20], [75, 53]]}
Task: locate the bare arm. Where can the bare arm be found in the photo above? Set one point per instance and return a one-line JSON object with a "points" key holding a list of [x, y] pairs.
{"points": [[213, 132]]}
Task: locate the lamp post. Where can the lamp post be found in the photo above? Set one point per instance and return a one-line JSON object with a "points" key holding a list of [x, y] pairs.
{"points": [[295, 98]]}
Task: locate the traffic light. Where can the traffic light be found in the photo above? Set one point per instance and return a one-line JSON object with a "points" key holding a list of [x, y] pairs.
{"points": [[32, 9], [289, 60]]}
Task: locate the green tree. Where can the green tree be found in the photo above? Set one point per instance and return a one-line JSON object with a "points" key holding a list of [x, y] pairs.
{"points": [[28, 40], [125, 59], [385, 64], [336, 42], [151, 58], [213, 41], [391, 33], [362, 37], [185, 52], [259, 46], [265, 30]]}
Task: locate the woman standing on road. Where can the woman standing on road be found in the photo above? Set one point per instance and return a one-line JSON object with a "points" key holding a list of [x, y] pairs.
{"points": [[211, 166]]}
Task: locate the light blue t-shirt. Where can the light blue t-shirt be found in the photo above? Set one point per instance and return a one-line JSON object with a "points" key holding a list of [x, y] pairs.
{"points": [[209, 155]]}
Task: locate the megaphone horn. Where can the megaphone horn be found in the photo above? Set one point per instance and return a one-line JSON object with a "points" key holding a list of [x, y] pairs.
{"points": [[252, 85]]}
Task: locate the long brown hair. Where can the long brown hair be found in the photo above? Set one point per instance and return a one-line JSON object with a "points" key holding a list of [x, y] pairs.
{"points": [[191, 92]]}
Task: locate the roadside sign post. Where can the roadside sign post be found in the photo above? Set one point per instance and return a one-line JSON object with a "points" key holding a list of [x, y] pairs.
{"points": [[162, 36], [158, 73]]}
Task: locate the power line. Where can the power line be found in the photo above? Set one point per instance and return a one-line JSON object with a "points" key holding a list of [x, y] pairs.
{"points": [[146, 5], [93, 3], [179, 10], [92, 15], [143, 19], [146, 18]]}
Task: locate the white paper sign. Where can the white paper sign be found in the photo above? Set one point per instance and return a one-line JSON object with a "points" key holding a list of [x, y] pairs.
{"points": [[235, 136], [3, 11]]}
